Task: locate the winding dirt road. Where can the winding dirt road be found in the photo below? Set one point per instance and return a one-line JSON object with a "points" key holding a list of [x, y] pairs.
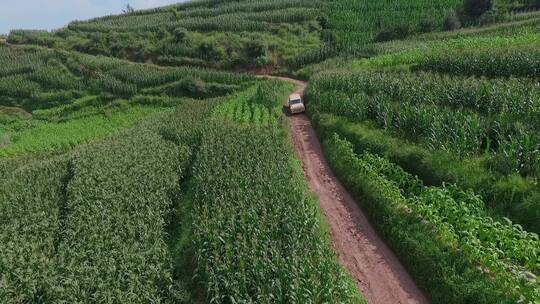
{"points": [[378, 273]]}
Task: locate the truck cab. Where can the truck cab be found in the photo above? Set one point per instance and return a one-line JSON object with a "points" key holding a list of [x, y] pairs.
{"points": [[296, 105]]}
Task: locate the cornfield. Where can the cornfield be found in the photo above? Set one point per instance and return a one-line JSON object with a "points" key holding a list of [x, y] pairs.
{"points": [[475, 256], [461, 115], [358, 21]]}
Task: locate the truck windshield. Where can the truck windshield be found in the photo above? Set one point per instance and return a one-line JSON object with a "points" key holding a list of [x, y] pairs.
{"points": [[296, 101]]}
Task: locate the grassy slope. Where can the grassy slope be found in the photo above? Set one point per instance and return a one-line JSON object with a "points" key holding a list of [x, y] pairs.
{"points": [[205, 34], [53, 100], [225, 34]]}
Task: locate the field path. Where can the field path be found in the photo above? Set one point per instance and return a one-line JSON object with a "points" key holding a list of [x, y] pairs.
{"points": [[378, 273]]}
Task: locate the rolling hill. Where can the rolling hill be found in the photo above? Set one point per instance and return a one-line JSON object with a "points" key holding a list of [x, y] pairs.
{"points": [[143, 161]]}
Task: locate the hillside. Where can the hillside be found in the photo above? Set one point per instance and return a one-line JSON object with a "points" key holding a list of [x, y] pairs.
{"points": [[143, 161], [225, 34]]}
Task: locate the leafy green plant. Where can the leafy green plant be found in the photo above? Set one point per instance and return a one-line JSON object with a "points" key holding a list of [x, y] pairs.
{"points": [[465, 246], [276, 249]]}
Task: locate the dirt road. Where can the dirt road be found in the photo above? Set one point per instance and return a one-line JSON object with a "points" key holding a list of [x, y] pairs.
{"points": [[379, 275]]}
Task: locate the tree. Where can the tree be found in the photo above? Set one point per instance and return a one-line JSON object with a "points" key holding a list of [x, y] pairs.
{"points": [[476, 8], [129, 9], [394, 33]]}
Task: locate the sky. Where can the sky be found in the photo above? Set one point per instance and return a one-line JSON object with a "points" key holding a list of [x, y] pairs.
{"points": [[54, 14]]}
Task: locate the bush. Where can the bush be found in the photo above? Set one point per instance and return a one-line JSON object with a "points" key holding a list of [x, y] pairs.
{"points": [[451, 22], [535, 4], [180, 34], [491, 17], [394, 33], [209, 51], [255, 49], [323, 22], [329, 37], [426, 26], [192, 87], [476, 8]]}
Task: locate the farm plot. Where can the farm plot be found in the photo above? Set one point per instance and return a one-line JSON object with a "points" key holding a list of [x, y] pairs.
{"points": [[256, 105], [490, 123], [132, 219], [444, 229], [54, 100], [94, 220], [257, 232]]}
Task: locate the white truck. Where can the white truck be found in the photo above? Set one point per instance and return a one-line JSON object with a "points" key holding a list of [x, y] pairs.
{"points": [[296, 105]]}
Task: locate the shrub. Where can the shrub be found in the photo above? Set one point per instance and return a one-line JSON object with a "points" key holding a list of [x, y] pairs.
{"points": [[255, 49], [192, 87], [175, 15], [180, 34], [451, 22], [329, 37], [394, 33], [535, 4], [491, 17], [209, 51], [476, 8], [426, 26], [323, 22]]}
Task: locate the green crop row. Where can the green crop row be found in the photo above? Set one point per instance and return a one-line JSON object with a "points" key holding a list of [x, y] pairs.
{"points": [[30, 221], [461, 115], [261, 104], [27, 81], [445, 230], [121, 230], [81, 232], [16, 61], [507, 62], [62, 136], [240, 109], [257, 232], [247, 6], [510, 195], [147, 76], [513, 97], [250, 22], [413, 51], [359, 21], [235, 17]]}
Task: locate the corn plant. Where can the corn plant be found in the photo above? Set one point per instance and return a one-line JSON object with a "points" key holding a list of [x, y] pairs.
{"points": [[476, 255], [461, 115], [256, 233], [505, 62]]}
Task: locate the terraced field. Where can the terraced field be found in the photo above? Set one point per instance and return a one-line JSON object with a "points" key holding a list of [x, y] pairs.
{"points": [[145, 158]]}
